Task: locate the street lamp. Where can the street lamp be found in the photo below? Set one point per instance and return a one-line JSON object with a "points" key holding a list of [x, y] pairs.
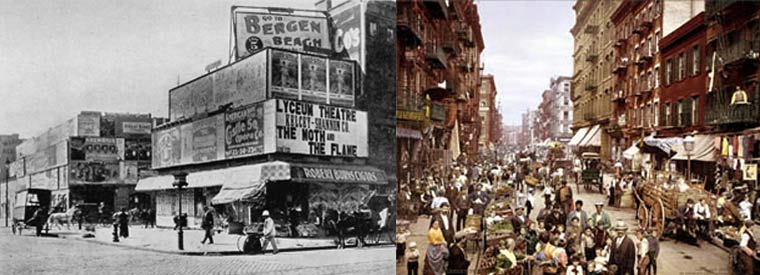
{"points": [[179, 182], [688, 146], [7, 185]]}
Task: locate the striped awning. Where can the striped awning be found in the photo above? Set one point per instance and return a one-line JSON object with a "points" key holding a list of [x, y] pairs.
{"points": [[578, 136]]}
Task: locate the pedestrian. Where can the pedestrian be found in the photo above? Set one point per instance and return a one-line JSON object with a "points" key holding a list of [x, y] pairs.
{"points": [[623, 251], [269, 233], [578, 212], [175, 218], [702, 214], [78, 216], [654, 250], [519, 221], [457, 263], [38, 220], [463, 206], [643, 251], [122, 219], [144, 216], [412, 259], [446, 226], [601, 215], [746, 208], [588, 244], [437, 253], [152, 217], [747, 245], [208, 225]]}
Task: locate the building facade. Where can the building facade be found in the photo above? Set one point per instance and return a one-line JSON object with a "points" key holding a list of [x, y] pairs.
{"points": [[488, 113], [561, 129], [438, 77]]}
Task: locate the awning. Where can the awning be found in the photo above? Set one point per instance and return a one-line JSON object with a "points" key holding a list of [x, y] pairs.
{"points": [[704, 149], [631, 152], [665, 145], [578, 136], [408, 133], [218, 177], [593, 138]]}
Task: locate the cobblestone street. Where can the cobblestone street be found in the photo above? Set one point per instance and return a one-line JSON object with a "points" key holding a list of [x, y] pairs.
{"points": [[30, 255]]}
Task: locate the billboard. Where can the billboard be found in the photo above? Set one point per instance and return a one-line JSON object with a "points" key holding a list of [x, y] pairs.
{"points": [[83, 172], [284, 81], [137, 149], [320, 130], [347, 32], [207, 139], [17, 168], [313, 79], [96, 149], [88, 124], [256, 28], [342, 83], [166, 147], [244, 131], [241, 83]]}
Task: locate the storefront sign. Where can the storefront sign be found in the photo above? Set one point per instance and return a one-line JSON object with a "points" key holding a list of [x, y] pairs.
{"points": [[320, 130], [313, 79], [337, 174], [256, 30], [137, 149], [166, 147], [244, 131], [83, 172], [342, 85], [410, 115], [129, 127], [88, 124]]}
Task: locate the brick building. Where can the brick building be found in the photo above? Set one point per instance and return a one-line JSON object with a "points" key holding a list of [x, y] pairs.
{"points": [[489, 115]]}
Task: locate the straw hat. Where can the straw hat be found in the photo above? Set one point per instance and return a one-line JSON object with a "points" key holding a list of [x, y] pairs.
{"points": [[265, 213], [413, 245], [620, 226]]}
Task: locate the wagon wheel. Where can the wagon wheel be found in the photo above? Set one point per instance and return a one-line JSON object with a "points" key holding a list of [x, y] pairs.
{"points": [[658, 216], [644, 219]]}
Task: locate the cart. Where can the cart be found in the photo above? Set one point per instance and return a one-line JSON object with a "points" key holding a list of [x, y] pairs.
{"points": [[592, 174], [659, 204], [27, 202]]}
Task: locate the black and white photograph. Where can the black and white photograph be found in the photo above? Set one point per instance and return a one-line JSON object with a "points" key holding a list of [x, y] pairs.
{"points": [[198, 137]]}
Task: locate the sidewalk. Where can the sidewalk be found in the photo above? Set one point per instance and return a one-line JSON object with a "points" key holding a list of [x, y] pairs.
{"points": [[165, 241]]}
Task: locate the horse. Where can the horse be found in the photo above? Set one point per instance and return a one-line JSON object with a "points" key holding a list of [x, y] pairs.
{"points": [[59, 219], [347, 225]]}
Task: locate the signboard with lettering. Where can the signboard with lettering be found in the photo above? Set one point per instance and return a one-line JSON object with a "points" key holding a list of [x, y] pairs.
{"points": [[308, 173], [137, 149], [347, 36], [313, 79], [88, 124], [320, 130], [97, 149], [133, 127], [166, 147], [256, 28], [342, 77], [244, 131], [284, 82], [82, 172]]}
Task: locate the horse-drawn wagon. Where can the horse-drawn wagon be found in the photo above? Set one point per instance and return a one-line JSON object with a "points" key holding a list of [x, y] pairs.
{"points": [[28, 201], [591, 175]]}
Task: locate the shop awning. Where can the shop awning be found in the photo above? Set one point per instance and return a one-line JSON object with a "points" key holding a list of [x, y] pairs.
{"points": [[408, 133], [704, 149], [665, 145], [578, 136], [319, 173], [276, 170], [593, 138], [631, 152]]}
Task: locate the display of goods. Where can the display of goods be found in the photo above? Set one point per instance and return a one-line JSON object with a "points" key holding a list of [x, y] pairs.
{"points": [[307, 230], [501, 226], [258, 227], [473, 221], [530, 180]]}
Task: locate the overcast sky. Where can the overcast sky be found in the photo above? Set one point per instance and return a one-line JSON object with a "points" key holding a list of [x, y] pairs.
{"points": [[58, 58], [527, 43]]}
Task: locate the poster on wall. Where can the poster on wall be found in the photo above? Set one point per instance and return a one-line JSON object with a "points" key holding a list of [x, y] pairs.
{"points": [[244, 131], [128, 171], [94, 172], [108, 125], [255, 29], [347, 36], [17, 168], [186, 141], [320, 130], [342, 83], [166, 147], [180, 104], [88, 124], [96, 149], [207, 137], [137, 149], [313, 79], [341, 197], [284, 82]]}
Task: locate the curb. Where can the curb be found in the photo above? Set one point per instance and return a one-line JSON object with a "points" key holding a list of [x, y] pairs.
{"points": [[200, 253]]}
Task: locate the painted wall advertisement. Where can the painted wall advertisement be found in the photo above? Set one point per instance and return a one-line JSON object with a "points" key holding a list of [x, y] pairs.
{"points": [[256, 30], [313, 79], [241, 83], [342, 82], [244, 131], [312, 129], [166, 147], [88, 124], [284, 83], [97, 149], [83, 172]]}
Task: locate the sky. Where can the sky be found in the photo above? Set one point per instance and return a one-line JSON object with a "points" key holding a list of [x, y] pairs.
{"points": [[526, 43], [63, 57]]}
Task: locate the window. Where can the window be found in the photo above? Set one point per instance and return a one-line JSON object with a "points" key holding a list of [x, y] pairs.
{"points": [[681, 67], [679, 119], [695, 60], [657, 41], [565, 115], [657, 77], [656, 114], [372, 28], [667, 114], [694, 109], [567, 101], [668, 72]]}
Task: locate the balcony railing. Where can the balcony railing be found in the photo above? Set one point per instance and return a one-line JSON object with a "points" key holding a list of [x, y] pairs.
{"points": [[435, 55], [450, 43], [618, 97], [715, 6], [592, 58], [591, 29], [437, 112], [465, 34], [744, 50], [409, 25], [590, 87], [720, 112]]}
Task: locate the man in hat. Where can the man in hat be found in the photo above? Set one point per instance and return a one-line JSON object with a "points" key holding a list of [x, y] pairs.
{"points": [[578, 212], [653, 242], [601, 215], [747, 245], [269, 233], [447, 227], [519, 220], [623, 251]]}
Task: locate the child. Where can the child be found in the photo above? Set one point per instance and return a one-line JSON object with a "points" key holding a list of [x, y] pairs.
{"points": [[576, 268], [412, 257]]}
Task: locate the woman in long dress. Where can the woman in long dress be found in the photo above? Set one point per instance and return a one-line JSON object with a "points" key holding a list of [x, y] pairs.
{"points": [[437, 253]]}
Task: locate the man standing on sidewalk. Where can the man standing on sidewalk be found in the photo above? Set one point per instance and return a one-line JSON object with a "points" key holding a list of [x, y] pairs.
{"points": [[208, 225], [269, 233]]}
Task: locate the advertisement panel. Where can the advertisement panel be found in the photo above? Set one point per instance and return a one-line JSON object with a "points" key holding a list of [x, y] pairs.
{"points": [[186, 141], [137, 149], [251, 80], [202, 97], [244, 131], [313, 79], [180, 104], [97, 149], [45, 180], [83, 172], [284, 81], [207, 139], [342, 83], [257, 30], [320, 130], [36, 162], [167, 147], [128, 171], [347, 36], [88, 124]]}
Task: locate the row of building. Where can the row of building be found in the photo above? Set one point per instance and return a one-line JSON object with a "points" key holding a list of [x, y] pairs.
{"points": [[552, 120], [445, 107], [303, 130], [668, 69]]}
